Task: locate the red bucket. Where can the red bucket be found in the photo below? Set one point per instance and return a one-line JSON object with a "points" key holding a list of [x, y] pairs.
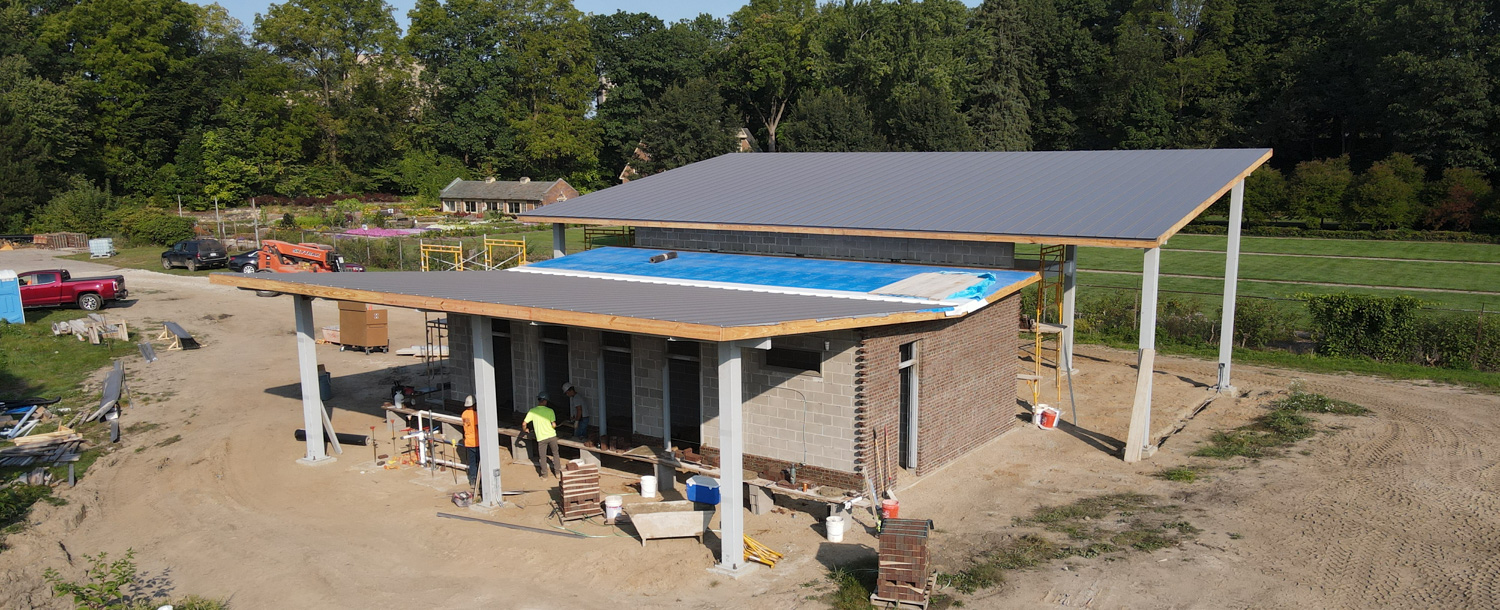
{"points": [[890, 508], [1046, 417]]}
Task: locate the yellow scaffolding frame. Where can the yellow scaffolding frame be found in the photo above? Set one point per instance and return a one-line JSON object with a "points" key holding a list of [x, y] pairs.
{"points": [[490, 245], [438, 253], [445, 257], [1046, 326]]}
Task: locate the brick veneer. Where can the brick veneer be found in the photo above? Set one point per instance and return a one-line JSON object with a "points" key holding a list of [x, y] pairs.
{"points": [[966, 391]]}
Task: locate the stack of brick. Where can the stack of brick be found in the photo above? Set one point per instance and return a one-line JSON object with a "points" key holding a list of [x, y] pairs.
{"points": [[904, 566], [580, 491]]}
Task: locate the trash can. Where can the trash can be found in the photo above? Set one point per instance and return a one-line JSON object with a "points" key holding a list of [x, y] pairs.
{"points": [[10, 298]]}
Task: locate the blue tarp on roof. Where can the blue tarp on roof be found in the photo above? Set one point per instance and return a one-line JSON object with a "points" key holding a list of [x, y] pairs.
{"points": [[777, 271]]}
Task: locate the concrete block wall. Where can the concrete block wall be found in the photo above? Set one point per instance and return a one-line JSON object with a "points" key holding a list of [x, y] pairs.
{"points": [[851, 247], [526, 363], [778, 423], [966, 385], [583, 371], [648, 356], [460, 357]]}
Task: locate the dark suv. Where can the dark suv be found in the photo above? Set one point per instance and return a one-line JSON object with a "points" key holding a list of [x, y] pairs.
{"points": [[195, 254]]}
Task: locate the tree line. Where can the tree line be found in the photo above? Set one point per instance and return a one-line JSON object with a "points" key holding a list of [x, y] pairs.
{"points": [[1380, 111]]}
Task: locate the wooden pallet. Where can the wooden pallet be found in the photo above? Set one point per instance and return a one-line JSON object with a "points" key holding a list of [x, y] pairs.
{"points": [[899, 604], [580, 491]]}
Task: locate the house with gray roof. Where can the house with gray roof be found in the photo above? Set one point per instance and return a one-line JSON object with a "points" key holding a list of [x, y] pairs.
{"points": [[504, 196]]}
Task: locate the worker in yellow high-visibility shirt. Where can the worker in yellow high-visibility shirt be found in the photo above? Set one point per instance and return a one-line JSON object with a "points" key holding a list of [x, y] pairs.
{"points": [[542, 422]]}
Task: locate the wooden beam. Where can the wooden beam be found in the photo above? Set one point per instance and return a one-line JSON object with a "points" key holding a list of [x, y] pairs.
{"points": [[642, 326], [955, 236], [1140, 411], [1210, 201]]}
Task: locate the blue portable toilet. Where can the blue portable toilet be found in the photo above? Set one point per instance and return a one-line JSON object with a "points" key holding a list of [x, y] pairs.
{"points": [[10, 298]]}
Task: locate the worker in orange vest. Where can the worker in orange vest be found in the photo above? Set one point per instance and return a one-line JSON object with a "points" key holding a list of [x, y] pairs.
{"points": [[471, 443]]}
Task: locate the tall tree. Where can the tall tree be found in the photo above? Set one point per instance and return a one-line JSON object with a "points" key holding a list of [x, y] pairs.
{"points": [[689, 123], [21, 184], [330, 42], [767, 62], [832, 121]]}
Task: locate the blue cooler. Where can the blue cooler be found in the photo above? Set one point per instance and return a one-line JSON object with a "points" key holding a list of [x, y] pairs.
{"points": [[704, 490], [10, 298]]}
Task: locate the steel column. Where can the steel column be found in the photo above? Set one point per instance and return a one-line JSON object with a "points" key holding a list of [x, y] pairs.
{"points": [[731, 460], [307, 369], [487, 408], [559, 240], [1231, 285]]}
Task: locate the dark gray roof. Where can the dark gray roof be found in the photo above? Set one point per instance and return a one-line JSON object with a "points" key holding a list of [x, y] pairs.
{"points": [[683, 304], [1133, 195], [499, 189]]}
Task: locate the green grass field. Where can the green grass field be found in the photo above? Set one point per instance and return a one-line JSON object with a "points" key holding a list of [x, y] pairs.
{"points": [[1326, 266]]}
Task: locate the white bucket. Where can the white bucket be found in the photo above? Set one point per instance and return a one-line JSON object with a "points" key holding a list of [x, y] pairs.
{"points": [[835, 526], [612, 507], [648, 486]]}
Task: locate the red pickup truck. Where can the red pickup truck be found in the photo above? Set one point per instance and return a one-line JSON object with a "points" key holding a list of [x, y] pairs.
{"points": [[51, 287]]}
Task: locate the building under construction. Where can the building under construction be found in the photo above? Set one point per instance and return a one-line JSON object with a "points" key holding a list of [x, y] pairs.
{"points": [[845, 316]]}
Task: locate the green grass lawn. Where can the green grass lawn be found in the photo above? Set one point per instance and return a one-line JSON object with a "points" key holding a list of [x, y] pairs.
{"points": [[35, 363], [1483, 280]]}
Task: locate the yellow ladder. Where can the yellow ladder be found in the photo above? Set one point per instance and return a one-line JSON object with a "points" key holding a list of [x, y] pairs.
{"points": [[1046, 329]]}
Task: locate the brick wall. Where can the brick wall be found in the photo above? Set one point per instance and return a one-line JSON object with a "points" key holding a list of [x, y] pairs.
{"points": [[966, 390], [852, 247]]}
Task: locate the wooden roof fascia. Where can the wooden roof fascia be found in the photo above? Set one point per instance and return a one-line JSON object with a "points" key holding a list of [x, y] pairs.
{"points": [[1160, 241], [956, 236]]}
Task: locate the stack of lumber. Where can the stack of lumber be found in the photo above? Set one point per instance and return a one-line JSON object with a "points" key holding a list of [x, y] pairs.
{"points": [[905, 570], [580, 491], [94, 329], [63, 445]]}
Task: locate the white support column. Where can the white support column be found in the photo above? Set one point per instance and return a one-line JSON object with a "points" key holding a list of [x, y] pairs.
{"points": [[1139, 438], [559, 240], [731, 462], [487, 407], [307, 368], [1069, 304], [1231, 285]]}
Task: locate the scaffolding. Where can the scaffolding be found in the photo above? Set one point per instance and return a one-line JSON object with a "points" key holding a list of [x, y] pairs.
{"points": [[493, 254], [435, 357], [1046, 326]]}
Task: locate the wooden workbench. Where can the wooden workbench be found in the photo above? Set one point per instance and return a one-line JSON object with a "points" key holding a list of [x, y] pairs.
{"points": [[653, 458]]}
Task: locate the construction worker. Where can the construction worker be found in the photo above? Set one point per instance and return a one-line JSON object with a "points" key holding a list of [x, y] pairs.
{"points": [[542, 422], [580, 413], [471, 442]]}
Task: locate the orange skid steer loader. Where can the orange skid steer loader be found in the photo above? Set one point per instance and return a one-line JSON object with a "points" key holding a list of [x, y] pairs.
{"points": [[286, 257]]}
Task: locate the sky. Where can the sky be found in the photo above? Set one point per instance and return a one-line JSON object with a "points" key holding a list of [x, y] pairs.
{"points": [[667, 10]]}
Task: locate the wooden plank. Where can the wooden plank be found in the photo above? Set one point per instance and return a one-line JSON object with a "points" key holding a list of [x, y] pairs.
{"points": [[1135, 441]]}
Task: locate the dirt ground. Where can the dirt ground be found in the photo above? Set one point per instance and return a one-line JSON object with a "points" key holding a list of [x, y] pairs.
{"points": [[1394, 510]]}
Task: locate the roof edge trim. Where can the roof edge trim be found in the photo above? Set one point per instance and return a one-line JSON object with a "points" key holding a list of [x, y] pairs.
{"points": [[985, 237]]}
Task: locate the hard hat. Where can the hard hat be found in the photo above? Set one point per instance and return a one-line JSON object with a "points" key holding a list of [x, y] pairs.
{"points": [[567, 387], [544, 396], [469, 402]]}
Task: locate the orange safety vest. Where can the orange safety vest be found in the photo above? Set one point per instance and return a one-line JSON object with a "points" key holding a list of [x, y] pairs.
{"points": [[471, 428]]}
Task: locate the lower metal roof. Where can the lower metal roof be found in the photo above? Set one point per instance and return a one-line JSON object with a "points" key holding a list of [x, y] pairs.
{"points": [[638, 304]]}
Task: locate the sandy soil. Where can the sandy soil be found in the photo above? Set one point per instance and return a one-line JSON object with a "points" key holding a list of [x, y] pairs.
{"points": [[1395, 510]]}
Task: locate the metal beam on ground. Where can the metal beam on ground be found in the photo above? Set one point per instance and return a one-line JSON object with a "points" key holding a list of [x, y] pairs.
{"points": [[1231, 285], [1139, 437], [1070, 302], [307, 368], [487, 408]]}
